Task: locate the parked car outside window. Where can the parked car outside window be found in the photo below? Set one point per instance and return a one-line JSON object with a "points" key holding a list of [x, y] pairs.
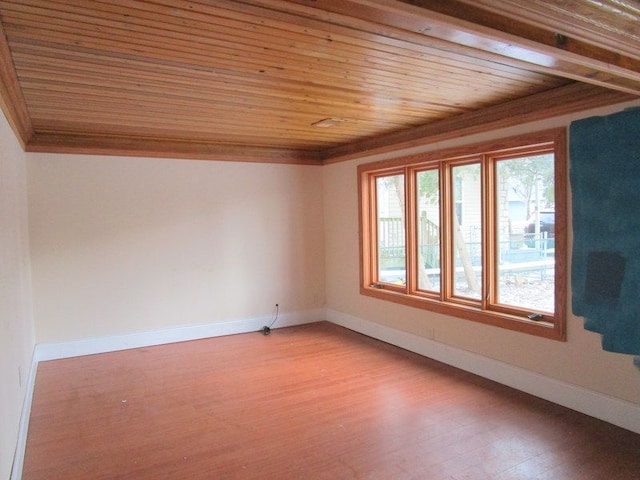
{"points": [[547, 223]]}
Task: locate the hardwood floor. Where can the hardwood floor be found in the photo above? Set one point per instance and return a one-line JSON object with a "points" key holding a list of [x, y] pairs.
{"points": [[309, 402]]}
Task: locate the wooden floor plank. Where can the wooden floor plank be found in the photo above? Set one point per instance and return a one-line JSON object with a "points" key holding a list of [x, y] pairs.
{"points": [[309, 402]]}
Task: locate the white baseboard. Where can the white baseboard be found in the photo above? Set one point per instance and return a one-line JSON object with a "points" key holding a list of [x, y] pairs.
{"points": [[90, 346], [21, 444], [610, 409]]}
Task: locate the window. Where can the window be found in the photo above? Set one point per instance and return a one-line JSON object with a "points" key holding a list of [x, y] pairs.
{"points": [[476, 232]]}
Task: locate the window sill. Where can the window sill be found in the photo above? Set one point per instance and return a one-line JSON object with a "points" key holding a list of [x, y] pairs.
{"points": [[542, 328]]}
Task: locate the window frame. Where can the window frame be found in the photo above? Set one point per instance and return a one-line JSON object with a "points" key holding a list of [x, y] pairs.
{"points": [[486, 309]]}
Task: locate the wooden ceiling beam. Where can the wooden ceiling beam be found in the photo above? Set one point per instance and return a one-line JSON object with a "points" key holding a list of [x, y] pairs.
{"points": [[466, 28], [543, 44], [588, 22]]}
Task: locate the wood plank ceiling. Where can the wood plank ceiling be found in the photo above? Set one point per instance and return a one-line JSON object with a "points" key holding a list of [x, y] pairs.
{"points": [[302, 81]]}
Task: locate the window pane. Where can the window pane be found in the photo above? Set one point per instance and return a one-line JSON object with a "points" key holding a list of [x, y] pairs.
{"points": [[391, 231], [428, 209], [467, 231], [526, 227]]}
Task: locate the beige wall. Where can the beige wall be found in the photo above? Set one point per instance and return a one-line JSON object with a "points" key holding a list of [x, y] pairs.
{"points": [[579, 361], [122, 245], [16, 322]]}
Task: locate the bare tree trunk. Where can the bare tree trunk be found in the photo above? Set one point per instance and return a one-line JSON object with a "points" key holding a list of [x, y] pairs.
{"points": [[423, 279], [465, 258], [424, 282]]}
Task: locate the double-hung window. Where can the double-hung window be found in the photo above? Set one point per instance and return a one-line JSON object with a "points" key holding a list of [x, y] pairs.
{"points": [[476, 232]]}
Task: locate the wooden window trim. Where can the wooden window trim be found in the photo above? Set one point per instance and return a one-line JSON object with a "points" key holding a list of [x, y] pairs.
{"points": [[487, 313]]}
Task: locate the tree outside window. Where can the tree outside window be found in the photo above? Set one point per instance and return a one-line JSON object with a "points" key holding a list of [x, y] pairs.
{"points": [[476, 232]]}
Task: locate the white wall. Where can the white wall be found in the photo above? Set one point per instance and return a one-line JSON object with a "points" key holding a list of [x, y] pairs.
{"points": [[16, 322], [579, 361], [122, 245]]}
